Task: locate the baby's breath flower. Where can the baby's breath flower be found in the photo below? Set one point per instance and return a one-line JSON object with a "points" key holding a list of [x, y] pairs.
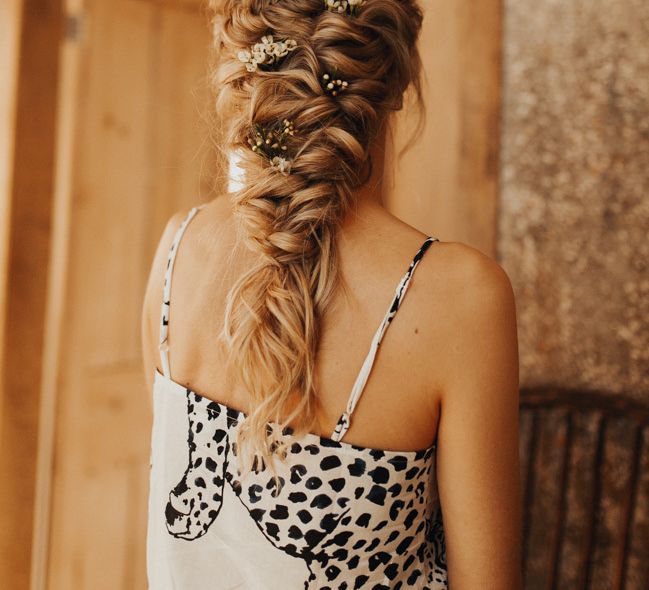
{"points": [[348, 6], [266, 52], [281, 164], [269, 141], [333, 85]]}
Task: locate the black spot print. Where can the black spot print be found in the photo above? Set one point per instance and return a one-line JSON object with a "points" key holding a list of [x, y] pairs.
{"points": [[380, 475], [312, 449], [304, 516], [391, 571], [279, 513], [297, 472], [353, 562], [381, 525], [321, 501], [373, 545], [357, 468], [412, 472], [380, 558], [273, 530], [401, 548], [330, 462], [410, 518], [313, 483], [332, 572], [257, 513], [297, 497], [313, 537], [395, 508], [413, 577], [363, 520], [337, 484], [254, 492], [360, 580], [328, 522], [377, 495]]}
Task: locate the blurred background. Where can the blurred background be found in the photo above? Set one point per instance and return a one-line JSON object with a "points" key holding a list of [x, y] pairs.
{"points": [[535, 151]]}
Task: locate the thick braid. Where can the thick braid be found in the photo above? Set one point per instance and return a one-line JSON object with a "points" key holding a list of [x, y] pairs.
{"points": [[301, 108]]}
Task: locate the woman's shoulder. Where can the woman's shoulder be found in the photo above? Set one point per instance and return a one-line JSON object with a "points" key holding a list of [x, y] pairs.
{"points": [[467, 298], [468, 273], [466, 279]]}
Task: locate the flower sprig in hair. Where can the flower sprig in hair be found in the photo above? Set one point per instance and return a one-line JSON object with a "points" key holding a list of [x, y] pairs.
{"points": [[266, 52], [333, 85], [348, 6], [270, 142]]}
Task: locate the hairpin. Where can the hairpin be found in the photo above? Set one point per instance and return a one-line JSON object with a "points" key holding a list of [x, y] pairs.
{"points": [[349, 6], [270, 143], [265, 52], [333, 85]]}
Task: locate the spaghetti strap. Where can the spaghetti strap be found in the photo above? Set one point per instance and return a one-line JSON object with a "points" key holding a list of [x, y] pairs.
{"points": [[344, 421], [163, 345]]}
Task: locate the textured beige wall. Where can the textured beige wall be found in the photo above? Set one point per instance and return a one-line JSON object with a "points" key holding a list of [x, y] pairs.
{"points": [[574, 203]]}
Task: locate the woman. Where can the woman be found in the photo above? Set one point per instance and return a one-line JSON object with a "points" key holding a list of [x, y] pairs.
{"points": [[287, 451]]}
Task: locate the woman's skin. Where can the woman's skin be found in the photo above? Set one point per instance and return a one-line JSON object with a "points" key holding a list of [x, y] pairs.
{"points": [[446, 371]]}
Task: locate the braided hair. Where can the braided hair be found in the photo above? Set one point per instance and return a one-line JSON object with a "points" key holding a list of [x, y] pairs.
{"points": [[303, 87]]}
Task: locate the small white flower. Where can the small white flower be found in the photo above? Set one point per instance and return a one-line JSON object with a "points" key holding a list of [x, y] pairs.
{"points": [[340, 6], [280, 163], [258, 55], [265, 51]]}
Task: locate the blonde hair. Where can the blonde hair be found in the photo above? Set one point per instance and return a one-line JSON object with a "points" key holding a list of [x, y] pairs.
{"points": [[274, 310]]}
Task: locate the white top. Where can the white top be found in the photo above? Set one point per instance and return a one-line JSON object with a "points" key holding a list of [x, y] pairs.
{"points": [[343, 516]]}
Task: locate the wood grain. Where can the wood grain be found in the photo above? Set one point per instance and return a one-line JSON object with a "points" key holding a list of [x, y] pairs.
{"points": [[140, 146], [28, 248], [586, 506], [447, 183]]}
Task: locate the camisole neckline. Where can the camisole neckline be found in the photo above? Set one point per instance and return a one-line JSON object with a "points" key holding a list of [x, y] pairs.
{"points": [[235, 415]]}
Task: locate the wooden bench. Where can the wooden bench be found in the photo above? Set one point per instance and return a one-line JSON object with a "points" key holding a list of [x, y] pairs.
{"points": [[585, 475]]}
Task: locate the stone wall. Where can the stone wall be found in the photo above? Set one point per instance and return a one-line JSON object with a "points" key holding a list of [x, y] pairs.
{"points": [[574, 196]]}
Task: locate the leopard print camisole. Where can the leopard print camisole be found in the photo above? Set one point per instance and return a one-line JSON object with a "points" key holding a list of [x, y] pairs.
{"points": [[341, 516]]}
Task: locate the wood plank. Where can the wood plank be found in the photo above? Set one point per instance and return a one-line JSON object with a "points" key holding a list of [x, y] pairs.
{"points": [[139, 150], [637, 565], [579, 499], [546, 498], [446, 184], [28, 247], [10, 26], [617, 467]]}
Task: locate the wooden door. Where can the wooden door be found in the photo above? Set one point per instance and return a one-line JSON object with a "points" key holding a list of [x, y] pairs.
{"points": [[139, 146]]}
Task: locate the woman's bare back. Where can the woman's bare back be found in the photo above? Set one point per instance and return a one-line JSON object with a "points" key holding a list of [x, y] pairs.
{"points": [[399, 407]]}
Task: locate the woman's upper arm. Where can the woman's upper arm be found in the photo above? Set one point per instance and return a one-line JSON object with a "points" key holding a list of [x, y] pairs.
{"points": [[151, 304], [478, 458]]}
